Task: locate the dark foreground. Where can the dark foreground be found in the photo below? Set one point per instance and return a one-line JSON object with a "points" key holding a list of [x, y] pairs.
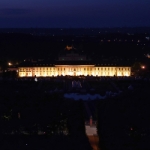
{"points": [[35, 115]]}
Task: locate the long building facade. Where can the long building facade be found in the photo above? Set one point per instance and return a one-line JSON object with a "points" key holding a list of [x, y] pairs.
{"points": [[73, 70], [72, 64]]}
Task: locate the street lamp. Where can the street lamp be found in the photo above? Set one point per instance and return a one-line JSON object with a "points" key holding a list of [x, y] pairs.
{"points": [[143, 67], [9, 63]]}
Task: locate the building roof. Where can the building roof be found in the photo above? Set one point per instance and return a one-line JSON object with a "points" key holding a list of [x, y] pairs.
{"points": [[71, 56], [112, 64], [36, 64], [52, 64], [74, 63]]}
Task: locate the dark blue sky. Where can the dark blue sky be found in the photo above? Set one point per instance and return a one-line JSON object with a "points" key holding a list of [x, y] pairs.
{"points": [[77, 13]]}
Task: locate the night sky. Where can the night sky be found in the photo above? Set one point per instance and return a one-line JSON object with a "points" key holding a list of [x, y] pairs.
{"points": [[74, 13]]}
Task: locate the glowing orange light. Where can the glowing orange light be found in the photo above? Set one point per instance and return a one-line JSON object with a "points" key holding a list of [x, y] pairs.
{"points": [[143, 67], [68, 47], [9, 63]]}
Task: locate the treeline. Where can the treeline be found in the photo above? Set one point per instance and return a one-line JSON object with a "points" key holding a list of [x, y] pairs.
{"points": [[123, 121], [30, 107], [29, 113], [44, 142], [21, 46]]}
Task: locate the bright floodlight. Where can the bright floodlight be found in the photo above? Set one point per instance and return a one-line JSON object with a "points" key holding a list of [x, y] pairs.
{"points": [[9, 63]]}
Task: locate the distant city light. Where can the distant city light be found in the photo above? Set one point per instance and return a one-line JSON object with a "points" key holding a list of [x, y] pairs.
{"points": [[148, 38], [143, 67], [9, 63], [147, 55]]}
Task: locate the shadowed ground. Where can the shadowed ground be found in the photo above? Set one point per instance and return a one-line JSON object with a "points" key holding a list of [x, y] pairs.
{"points": [[94, 141]]}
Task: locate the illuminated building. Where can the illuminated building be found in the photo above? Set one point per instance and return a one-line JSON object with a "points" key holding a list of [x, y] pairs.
{"points": [[71, 64]]}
